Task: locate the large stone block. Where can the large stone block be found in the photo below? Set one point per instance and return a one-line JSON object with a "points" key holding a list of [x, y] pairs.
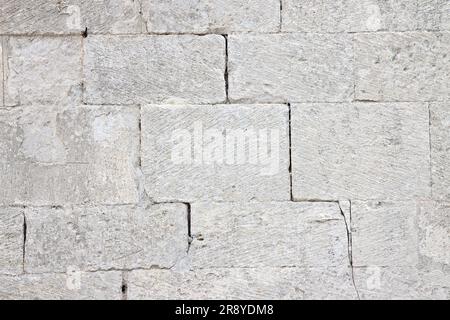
{"points": [[60, 156], [290, 68], [349, 15], [44, 70], [219, 153], [11, 240], [206, 16], [360, 151], [440, 149], [401, 234], [73, 285], [170, 69], [402, 283], [246, 283], [70, 16], [276, 234], [412, 66], [102, 238]]}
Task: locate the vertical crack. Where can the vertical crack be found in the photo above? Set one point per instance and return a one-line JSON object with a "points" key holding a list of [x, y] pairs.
{"points": [[225, 76], [281, 16], [3, 57], [290, 151], [24, 241], [348, 226], [189, 222], [430, 147], [124, 287]]}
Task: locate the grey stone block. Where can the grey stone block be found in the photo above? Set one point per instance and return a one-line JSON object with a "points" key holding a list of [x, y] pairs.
{"points": [[102, 238], [44, 70], [290, 68], [218, 153], [276, 234], [60, 156], [168, 69], [11, 240], [246, 283], [412, 66], [433, 14], [70, 16], [440, 149], [360, 151], [218, 16], [70, 286]]}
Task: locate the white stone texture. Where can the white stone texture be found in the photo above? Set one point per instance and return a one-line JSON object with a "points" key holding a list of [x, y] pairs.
{"points": [[11, 240]]}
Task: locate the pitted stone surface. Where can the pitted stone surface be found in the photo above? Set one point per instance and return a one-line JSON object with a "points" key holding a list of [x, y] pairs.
{"points": [[290, 68], [260, 235], [165, 69], [412, 66], [213, 16], [11, 240], [360, 151], [242, 283], [185, 152], [58, 156], [102, 238], [62, 286], [44, 70]]}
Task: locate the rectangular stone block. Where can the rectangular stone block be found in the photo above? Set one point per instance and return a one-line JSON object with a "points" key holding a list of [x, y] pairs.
{"points": [[385, 234], [70, 286], [170, 69], [349, 15], [218, 153], [276, 234], [412, 66], [290, 68], [102, 238], [440, 149], [70, 16], [11, 240], [60, 156], [360, 151], [44, 70], [246, 283], [211, 16], [402, 283]]}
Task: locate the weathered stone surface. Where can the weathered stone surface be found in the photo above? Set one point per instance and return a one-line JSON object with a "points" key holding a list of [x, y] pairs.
{"points": [[261, 235], [45, 70], [385, 234], [60, 156], [440, 149], [11, 240], [164, 69], [290, 67], [189, 152], [237, 283], [433, 14], [349, 15], [219, 16], [70, 286], [70, 16], [402, 283], [401, 234], [413, 66], [360, 151], [101, 238], [2, 102]]}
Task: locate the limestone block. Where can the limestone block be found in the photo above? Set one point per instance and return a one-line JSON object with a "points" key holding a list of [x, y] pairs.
{"points": [[44, 70], [154, 69], [102, 238], [11, 240], [440, 149], [360, 151], [73, 285], [290, 68], [60, 156], [246, 283], [412, 66], [211, 16], [219, 153], [276, 234]]}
